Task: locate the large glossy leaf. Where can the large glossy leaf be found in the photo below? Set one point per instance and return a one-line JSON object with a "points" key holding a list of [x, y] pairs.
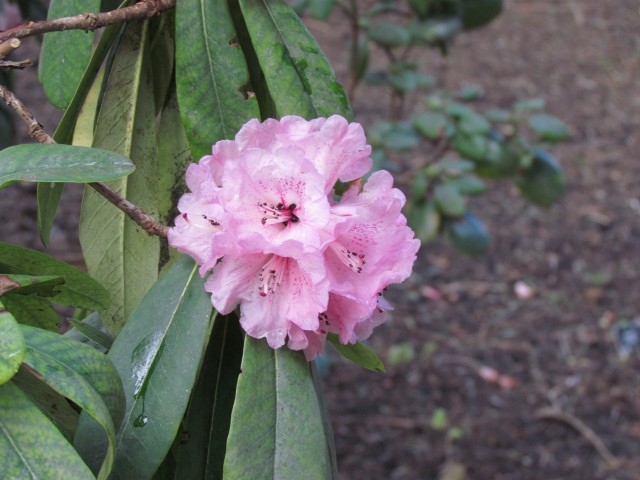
{"points": [[157, 355], [60, 163], [31, 446], [211, 74], [79, 289], [118, 252], [32, 310], [206, 424], [63, 364], [12, 346], [65, 55], [276, 424], [56, 408], [92, 365], [299, 77]]}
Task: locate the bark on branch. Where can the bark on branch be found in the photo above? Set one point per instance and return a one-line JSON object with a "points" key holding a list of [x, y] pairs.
{"points": [[89, 21], [148, 223]]}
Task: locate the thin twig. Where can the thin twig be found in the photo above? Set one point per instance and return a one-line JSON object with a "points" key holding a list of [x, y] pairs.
{"points": [[9, 65], [148, 223], [89, 21], [34, 129], [552, 413]]}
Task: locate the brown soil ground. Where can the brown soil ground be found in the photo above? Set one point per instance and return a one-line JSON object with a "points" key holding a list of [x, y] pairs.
{"points": [[569, 408]]}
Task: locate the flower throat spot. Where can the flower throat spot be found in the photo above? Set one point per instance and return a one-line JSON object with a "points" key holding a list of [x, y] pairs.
{"points": [[279, 213]]}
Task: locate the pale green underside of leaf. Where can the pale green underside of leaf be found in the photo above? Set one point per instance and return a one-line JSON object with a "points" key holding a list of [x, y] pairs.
{"points": [[211, 75], [299, 77], [276, 424], [32, 447], [118, 252]]}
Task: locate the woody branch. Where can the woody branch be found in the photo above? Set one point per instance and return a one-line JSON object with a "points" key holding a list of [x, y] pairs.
{"points": [[89, 21]]}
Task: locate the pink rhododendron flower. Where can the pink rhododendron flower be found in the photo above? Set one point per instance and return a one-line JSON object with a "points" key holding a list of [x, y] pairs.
{"points": [[262, 218]]}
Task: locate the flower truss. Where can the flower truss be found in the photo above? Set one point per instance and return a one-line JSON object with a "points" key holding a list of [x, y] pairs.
{"points": [[262, 216]]}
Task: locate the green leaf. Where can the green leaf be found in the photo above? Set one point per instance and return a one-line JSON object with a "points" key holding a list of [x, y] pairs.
{"points": [[298, 76], [400, 137], [157, 354], [469, 93], [92, 333], [449, 200], [162, 53], [434, 32], [468, 184], [276, 424], [212, 78], [65, 55], [321, 9], [173, 159], [56, 408], [44, 286], [432, 125], [92, 365], [174, 156], [64, 364], [32, 310], [474, 147], [31, 446], [403, 81], [529, 105], [328, 430], [469, 235], [206, 424], [478, 13], [358, 353], [60, 163], [543, 182], [117, 251], [548, 127], [425, 220], [12, 346], [389, 34], [498, 115], [79, 289], [474, 123], [450, 167]]}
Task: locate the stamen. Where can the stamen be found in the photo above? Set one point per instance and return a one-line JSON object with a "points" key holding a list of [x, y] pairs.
{"points": [[203, 222], [355, 261], [279, 213], [270, 275]]}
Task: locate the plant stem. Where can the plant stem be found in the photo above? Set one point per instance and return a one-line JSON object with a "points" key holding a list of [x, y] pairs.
{"points": [[35, 130], [89, 21]]}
